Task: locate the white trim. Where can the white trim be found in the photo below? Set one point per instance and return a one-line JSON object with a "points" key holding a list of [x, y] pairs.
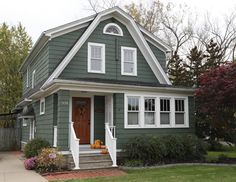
{"points": [[42, 110], [135, 32], [33, 79], [27, 76], [157, 96], [90, 44], [115, 25], [54, 136], [134, 61]]}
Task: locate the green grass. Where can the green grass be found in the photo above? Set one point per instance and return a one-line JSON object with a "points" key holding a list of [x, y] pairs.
{"points": [[173, 174], [213, 156]]}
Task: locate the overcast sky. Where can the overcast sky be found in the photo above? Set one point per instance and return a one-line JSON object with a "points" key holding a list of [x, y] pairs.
{"points": [[40, 15]]}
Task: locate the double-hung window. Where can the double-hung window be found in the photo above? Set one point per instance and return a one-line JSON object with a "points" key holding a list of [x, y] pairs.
{"points": [[165, 111], [133, 110], [96, 58], [128, 61], [149, 111], [179, 112]]}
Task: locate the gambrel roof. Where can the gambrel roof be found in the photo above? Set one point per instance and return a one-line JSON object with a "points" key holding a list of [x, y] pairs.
{"points": [[139, 34]]}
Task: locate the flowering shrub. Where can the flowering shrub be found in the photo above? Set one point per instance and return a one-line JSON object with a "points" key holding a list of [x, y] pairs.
{"points": [[30, 163], [49, 160]]}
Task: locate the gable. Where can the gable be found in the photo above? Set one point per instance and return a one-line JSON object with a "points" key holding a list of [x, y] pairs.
{"points": [[136, 34], [77, 68]]}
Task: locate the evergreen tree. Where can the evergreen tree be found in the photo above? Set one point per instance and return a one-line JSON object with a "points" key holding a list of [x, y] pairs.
{"points": [[14, 47], [195, 66], [177, 72], [214, 55]]}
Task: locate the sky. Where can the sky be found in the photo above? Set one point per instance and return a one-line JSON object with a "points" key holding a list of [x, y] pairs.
{"points": [[40, 15]]}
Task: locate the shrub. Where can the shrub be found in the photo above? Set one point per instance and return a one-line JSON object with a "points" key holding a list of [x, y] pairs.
{"points": [[155, 150], [133, 163], [49, 160], [215, 145], [33, 147], [147, 149], [30, 163]]}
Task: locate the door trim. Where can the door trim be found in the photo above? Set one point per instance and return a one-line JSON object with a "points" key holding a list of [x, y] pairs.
{"points": [[91, 113]]}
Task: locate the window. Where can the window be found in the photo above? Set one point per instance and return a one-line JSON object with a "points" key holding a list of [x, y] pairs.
{"points": [[155, 111], [164, 111], [179, 112], [133, 110], [27, 77], [33, 79], [128, 61], [96, 58], [149, 111], [42, 106], [24, 122], [113, 29]]}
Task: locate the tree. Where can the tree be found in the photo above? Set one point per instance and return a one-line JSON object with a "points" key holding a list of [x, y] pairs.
{"points": [[14, 47], [216, 103], [214, 55], [177, 72], [149, 18], [195, 67]]}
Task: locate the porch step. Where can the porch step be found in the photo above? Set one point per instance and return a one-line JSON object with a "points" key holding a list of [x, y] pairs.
{"points": [[92, 161]]}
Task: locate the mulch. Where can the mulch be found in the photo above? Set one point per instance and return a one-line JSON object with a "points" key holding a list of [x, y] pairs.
{"points": [[82, 174]]}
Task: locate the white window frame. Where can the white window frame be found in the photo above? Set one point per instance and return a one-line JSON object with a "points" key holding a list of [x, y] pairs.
{"points": [[31, 129], [122, 61], [27, 76], [42, 110], [155, 111], [183, 112], [157, 97], [33, 78], [126, 113], [165, 98], [90, 44], [109, 33]]}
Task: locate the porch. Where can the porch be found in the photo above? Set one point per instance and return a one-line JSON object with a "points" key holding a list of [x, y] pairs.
{"points": [[90, 119]]}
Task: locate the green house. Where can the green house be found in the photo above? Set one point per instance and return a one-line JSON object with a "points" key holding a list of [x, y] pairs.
{"points": [[104, 78]]}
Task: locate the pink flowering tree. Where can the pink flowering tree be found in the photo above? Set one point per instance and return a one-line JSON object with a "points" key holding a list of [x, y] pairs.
{"points": [[216, 103]]}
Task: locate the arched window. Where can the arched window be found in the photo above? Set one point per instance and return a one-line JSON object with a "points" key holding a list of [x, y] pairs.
{"points": [[113, 29]]}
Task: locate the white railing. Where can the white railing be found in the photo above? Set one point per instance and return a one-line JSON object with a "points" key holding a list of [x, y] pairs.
{"points": [[74, 146], [55, 136], [111, 142]]}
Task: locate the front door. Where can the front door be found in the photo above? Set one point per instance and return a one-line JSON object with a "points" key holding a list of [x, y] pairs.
{"points": [[81, 118]]}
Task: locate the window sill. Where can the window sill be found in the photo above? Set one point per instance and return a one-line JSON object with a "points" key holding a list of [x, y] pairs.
{"points": [[125, 74], [97, 72]]}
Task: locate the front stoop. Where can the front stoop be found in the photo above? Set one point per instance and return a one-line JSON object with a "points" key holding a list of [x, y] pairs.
{"points": [[91, 161]]}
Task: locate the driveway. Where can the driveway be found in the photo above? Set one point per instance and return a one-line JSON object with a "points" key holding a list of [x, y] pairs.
{"points": [[12, 169]]}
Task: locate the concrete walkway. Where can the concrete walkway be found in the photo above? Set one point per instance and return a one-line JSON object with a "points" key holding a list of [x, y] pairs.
{"points": [[12, 169]]}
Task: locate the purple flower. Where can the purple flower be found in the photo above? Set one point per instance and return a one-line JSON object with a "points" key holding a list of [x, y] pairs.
{"points": [[30, 163], [52, 156]]}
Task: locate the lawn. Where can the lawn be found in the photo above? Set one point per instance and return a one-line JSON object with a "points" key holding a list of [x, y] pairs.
{"points": [[173, 174], [213, 156]]}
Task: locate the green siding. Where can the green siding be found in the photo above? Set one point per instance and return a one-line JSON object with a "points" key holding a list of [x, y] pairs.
{"points": [[60, 46], [124, 135], [99, 118], [44, 122], [160, 55], [77, 68], [25, 133], [63, 119], [40, 65]]}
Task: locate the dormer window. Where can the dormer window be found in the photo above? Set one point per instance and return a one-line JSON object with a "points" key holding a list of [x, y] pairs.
{"points": [[113, 29]]}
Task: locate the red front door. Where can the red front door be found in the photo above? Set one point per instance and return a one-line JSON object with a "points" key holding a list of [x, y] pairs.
{"points": [[81, 118]]}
